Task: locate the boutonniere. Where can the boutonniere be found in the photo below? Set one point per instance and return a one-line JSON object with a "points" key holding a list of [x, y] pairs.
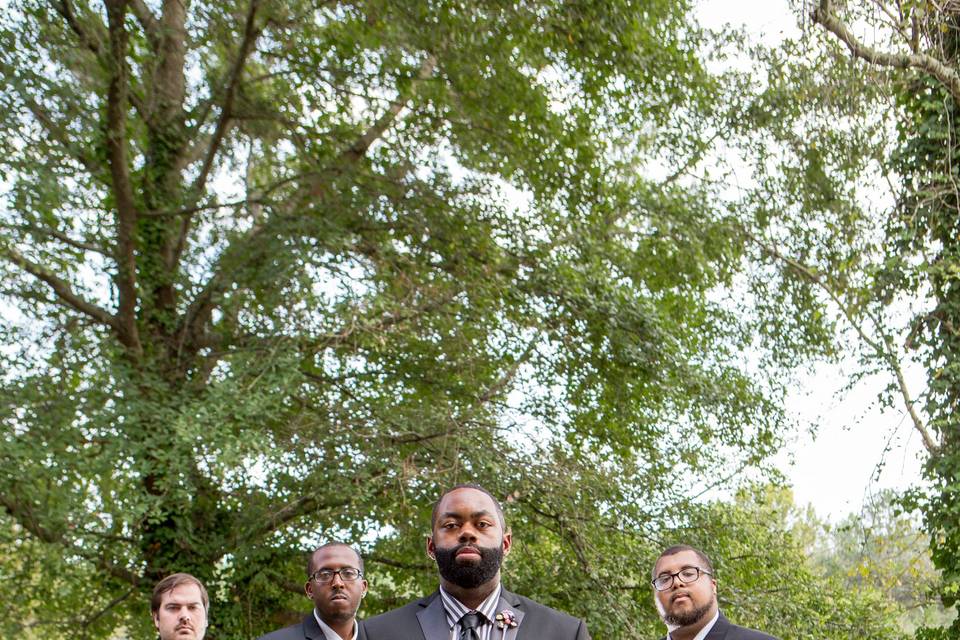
{"points": [[505, 620]]}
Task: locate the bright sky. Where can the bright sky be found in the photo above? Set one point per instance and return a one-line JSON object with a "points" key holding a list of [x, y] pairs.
{"points": [[856, 450], [848, 448]]}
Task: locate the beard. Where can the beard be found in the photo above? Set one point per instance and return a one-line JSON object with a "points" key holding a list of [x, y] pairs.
{"points": [[687, 618], [468, 575]]}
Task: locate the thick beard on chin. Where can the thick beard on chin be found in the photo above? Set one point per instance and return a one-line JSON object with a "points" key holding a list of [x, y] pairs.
{"points": [[688, 618], [468, 575]]}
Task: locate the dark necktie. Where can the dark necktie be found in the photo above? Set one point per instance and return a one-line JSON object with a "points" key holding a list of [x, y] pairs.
{"points": [[468, 626]]}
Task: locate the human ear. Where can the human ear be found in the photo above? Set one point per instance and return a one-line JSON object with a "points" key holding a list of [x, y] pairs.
{"points": [[507, 542]]}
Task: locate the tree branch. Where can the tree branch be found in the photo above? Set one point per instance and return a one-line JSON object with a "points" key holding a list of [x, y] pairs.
{"points": [[149, 22], [62, 289], [289, 512], [64, 238], [409, 566], [57, 133], [497, 387], [120, 176], [292, 587], [261, 199], [91, 42], [947, 76], [110, 605], [199, 311], [24, 515], [691, 162], [883, 350], [250, 35], [360, 147]]}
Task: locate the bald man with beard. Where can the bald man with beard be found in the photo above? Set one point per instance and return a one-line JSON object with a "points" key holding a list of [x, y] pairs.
{"points": [[468, 541]]}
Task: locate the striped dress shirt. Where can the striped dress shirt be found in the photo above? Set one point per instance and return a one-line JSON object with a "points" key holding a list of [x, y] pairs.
{"points": [[455, 610]]}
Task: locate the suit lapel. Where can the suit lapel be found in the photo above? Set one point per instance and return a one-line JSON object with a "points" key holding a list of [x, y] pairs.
{"points": [[312, 630], [719, 629], [433, 620], [510, 601]]}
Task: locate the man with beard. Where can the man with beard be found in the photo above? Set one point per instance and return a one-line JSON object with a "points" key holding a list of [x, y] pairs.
{"points": [[179, 607], [685, 592], [335, 584], [468, 541]]}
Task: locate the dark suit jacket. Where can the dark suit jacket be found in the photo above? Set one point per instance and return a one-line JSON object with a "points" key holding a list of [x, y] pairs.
{"points": [[425, 619], [724, 630], [306, 630]]}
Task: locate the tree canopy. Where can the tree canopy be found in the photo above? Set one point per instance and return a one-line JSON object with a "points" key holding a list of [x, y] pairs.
{"points": [[277, 272]]}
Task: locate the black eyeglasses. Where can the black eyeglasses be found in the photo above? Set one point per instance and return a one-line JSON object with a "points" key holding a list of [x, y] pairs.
{"points": [[685, 575], [347, 574]]}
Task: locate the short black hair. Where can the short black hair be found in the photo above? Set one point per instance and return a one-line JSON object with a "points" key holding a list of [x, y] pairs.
{"points": [[466, 485], [680, 548], [335, 543]]}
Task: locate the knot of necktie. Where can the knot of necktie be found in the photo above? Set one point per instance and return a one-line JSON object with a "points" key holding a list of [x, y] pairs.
{"points": [[468, 626]]}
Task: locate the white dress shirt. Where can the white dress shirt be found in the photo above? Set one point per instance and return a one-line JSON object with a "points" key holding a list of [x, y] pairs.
{"points": [[454, 610], [330, 634]]}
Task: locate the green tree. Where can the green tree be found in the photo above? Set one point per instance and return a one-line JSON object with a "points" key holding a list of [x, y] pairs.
{"points": [[844, 160], [766, 577], [275, 272], [883, 548], [899, 291]]}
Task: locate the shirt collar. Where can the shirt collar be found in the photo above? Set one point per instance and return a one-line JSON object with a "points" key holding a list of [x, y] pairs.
{"points": [[706, 629], [329, 633], [455, 609]]}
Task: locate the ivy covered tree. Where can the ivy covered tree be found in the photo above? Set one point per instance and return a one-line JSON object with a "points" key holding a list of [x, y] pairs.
{"points": [[911, 53], [854, 214], [274, 272]]}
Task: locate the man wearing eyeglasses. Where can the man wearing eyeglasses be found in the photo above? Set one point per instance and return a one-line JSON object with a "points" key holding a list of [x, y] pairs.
{"points": [[685, 592], [335, 584]]}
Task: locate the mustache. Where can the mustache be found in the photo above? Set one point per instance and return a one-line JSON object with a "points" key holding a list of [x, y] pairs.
{"points": [[466, 545]]}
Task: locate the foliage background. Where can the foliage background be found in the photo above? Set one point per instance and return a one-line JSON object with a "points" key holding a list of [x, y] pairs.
{"points": [[276, 273]]}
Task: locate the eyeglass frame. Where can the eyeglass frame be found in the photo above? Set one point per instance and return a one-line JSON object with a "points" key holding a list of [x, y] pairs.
{"points": [[676, 576], [335, 572]]}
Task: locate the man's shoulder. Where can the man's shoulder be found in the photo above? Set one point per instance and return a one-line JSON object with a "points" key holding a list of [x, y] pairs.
{"points": [[383, 621], [534, 608], [743, 633], [735, 632], [547, 622], [293, 632]]}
